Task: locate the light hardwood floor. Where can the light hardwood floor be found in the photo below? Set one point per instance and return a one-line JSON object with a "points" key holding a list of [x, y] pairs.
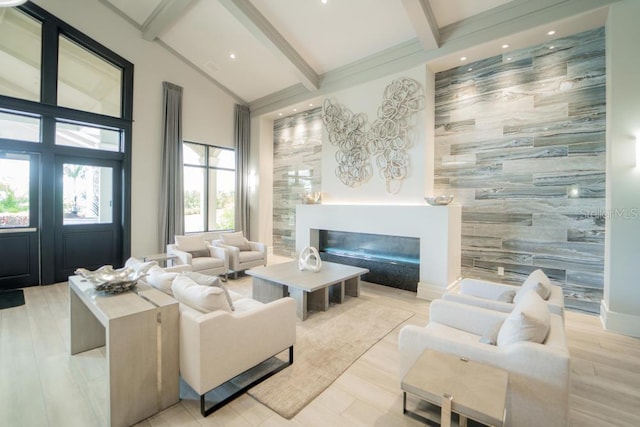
{"points": [[42, 385]]}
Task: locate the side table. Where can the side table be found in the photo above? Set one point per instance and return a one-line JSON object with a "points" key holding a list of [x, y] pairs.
{"points": [[471, 389], [161, 259]]}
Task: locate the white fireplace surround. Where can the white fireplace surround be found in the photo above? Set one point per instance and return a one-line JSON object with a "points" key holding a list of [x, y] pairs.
{"points": [[437, 227]]}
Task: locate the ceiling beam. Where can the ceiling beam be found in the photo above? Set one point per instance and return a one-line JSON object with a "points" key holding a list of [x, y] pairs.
{"points": [[249, 16], [163, 16], [424, 23]]}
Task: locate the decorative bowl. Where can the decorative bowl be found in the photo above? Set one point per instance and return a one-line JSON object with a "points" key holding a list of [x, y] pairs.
{"points": [[111, 281], [441, 200]]}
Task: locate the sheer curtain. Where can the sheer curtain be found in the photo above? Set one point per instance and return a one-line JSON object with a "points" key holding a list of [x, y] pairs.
{"points": [[172, 196], [242, 138]]}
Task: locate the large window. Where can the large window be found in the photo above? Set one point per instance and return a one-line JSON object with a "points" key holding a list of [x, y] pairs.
{"points": [[209, 187]]}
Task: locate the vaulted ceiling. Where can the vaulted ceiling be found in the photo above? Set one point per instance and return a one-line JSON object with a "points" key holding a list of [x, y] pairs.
{"points": [[273, 53]]}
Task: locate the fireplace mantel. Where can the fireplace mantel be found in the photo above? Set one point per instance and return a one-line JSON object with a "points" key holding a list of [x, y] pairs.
{"points": [[437, 227]]}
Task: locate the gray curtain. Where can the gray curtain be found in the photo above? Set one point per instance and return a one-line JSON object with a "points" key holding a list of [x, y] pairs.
{"points": [[172, 191], [242, 138]]}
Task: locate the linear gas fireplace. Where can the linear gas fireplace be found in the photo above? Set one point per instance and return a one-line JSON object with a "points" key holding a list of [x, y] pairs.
{"points": [[392, 260]]}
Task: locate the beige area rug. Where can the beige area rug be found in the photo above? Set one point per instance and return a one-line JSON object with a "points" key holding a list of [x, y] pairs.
{"points": [[327, 343]]}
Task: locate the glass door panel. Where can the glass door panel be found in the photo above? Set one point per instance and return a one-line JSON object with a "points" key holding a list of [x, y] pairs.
{"points": [[87, 193]]}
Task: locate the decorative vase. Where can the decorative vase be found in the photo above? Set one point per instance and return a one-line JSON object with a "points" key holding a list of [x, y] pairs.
{"points": [[309, 260]]}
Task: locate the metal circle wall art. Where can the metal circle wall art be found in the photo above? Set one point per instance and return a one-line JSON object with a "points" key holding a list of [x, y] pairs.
{"points": [[387, 139]]}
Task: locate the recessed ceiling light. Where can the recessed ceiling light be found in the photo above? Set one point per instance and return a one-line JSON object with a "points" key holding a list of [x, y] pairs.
{"points": [[509, 59], [295, 109], [324, 1], [279, 114], [463, 58], [470, 69], [551, 47], [550, 33], [504, 46], [232, 56], [310, 105]]}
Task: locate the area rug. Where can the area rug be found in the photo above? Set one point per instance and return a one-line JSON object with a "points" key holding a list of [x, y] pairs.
{"points": [[12, 298], [327, 343]]}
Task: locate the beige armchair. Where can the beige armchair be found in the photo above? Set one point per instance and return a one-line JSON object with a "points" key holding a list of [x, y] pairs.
{"points": [[243, 254], [194, 251]]}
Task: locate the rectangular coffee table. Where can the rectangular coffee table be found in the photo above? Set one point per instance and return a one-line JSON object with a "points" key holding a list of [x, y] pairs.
{"points": [[471, 389], [311, 290]]}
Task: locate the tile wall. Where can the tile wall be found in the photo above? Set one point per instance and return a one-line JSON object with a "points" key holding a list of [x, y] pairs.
{"points": [[520, 142]]}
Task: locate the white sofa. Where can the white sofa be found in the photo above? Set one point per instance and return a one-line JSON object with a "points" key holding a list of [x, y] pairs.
{"points": [[243, 253], [195, 251], [502, 297], [538, 391]]}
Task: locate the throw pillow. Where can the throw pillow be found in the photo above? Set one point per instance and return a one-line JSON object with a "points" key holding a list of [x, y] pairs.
{"points": [[235, 239], [202, 298], [529, 321], [507, 296], [200, 253], [490, 336], [139, 266], [189, 243], [539, 282], [205, 280], [161, 279]]}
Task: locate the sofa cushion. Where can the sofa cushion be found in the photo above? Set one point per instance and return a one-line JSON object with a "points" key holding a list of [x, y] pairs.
{"points": [[490, 336], [200, 253], [206, 280], [539, 282], [235, 239], [529, 321], [190, 243], [246, 304], [248, 256], [161, 279], [202, 298], [507, 296], [139, 266], [205, 263]]}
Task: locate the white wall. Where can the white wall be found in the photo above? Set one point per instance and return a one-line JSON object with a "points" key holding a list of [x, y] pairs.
{"points": [[620, 309], [207, 110], [366, 98]]}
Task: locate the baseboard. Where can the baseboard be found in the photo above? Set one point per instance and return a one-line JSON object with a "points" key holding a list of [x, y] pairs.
{"points": [[622, 323], [430, 292]]}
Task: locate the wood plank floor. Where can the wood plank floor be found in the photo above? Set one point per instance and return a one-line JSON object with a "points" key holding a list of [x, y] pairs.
{"points": [[42, 385]]}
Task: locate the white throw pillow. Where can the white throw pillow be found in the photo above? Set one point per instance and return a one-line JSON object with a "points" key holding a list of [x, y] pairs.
{"points": [[537, 281], [191, 243], [206, 280], [139, 266], [198, 297], [529, 321], [161, 279], [236, 239]]}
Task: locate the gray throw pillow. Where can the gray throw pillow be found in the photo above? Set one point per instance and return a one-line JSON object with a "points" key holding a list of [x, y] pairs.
{"points": [[490, 336], [200, 253]]}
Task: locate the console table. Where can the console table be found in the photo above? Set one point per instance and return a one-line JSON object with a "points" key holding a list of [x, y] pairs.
{"points": [[140, 331]]}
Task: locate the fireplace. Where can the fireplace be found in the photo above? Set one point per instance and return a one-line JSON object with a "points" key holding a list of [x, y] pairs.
{"points": [[434, 229], [392, 260]]}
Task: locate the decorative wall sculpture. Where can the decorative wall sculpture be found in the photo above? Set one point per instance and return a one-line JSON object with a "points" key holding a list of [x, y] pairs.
{"points": [[387, 139]]}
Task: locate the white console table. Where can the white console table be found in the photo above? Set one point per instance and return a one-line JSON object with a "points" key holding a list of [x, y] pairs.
{"points": [[140, 331]]}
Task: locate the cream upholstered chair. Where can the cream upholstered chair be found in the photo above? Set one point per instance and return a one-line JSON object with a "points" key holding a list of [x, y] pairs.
{"points": [[529, 343], [195, 251], [503, 297], [243, 254]]}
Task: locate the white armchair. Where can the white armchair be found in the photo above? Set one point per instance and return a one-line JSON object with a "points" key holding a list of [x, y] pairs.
{"points": [[217, 346], [200, 255], [538, 390], [502, 297], [243, 254]]}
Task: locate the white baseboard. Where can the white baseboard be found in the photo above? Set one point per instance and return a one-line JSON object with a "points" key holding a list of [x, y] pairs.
{"points": [[430, 292], [622, 323]]}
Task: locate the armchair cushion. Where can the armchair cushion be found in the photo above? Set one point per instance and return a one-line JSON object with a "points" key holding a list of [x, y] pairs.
{"points": [[529, 321], [236, 239], [200, 253], [160, 279], [206, 280], [202, 298], [191, 243]]}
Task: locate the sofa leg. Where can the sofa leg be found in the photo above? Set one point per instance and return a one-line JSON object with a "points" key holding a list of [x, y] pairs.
{"points": [[208, 411]]}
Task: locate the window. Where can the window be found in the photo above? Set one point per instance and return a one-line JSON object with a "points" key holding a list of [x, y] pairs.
{"points": [[19, 127], [85, 136], [86, 194], [14, 190], [20, 55], [209, 187]]}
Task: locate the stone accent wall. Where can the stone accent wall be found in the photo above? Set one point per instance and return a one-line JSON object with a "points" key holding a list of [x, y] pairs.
{"points": [[520, 142], [297, 151]]}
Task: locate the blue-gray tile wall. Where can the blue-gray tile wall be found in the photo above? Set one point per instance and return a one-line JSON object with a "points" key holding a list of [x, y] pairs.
{"points": [[297, 152], [532, 131]]}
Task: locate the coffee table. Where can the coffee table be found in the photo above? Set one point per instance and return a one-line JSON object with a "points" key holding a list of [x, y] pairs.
{"points": [[311, 290], [471, 389]]}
